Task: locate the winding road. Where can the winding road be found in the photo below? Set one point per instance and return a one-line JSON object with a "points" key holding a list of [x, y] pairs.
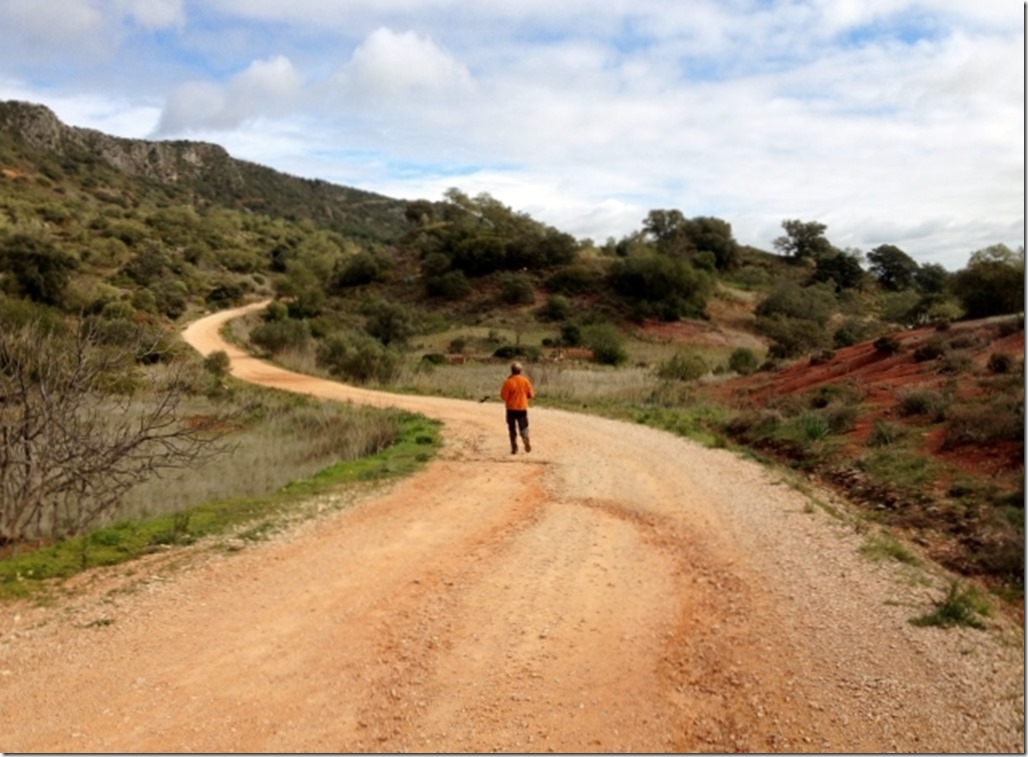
{"points": [[617, 589]]}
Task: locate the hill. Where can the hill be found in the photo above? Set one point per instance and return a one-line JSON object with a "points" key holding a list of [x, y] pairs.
{"points": [[32, 135]]}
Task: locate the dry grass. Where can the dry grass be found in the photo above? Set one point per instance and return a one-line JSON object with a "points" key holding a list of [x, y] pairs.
{"points": [[284, 439], [566, 383]]}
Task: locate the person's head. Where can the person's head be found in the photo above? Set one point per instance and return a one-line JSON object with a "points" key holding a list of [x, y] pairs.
{"points": [[515, 368]]}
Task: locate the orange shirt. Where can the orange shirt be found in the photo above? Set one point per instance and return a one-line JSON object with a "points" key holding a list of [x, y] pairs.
{"points": [[516, 392]]}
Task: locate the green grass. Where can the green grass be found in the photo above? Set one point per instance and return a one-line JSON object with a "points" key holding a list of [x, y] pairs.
{"points": [[248, 518], [962, 606], [885, 547]]}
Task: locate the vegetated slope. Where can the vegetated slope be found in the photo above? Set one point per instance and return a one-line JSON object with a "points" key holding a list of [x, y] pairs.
{"points": [[925, 427], [201, 170]]}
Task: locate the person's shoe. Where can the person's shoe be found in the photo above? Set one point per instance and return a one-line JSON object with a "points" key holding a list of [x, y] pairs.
{"points": [[528, 446], [514, 450]]}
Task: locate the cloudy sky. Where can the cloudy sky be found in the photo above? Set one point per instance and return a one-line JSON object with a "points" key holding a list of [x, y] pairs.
{"points": [[891, 121]]}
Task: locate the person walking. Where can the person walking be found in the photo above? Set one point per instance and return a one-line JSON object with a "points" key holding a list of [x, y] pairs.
{"points": [[516, 392]]}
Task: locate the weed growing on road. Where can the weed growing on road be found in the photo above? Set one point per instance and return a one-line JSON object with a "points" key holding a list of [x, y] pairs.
{"points": [[963, 606], [883, 546]]}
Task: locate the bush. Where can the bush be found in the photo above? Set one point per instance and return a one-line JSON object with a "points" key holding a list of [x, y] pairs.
{"points": [[660, 287], [510, 351], [276, 336], [452, 286], [887, 345], [359, 270], [956, 362], [841, 418], [884, 434], [217, 364], [516, 289], [789, 300], [557, 308], [570, 335], [574, 279], [1002, 419], [607, 344], [683, 366], [792, 337], [821, 357], [389, 322], [743, 361], [1001, 362], [358, 358], [930, 350], [926, 402], [850, 332]]}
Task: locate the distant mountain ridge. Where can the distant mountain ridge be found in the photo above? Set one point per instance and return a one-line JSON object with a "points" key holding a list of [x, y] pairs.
{"points": [[206, 171]]}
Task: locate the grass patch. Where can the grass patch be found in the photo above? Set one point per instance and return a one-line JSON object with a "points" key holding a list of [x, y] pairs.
{"points": [[885, 547], [962, 606], [249, 518]]}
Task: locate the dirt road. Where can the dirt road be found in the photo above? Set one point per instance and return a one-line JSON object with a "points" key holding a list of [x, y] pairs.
{"points": [[617, 589]]}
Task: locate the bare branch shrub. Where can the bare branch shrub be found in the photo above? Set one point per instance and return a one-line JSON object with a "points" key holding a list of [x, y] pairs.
{"points": [[80, 424]]}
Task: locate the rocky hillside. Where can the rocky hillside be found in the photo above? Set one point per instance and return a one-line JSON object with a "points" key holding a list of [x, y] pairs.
{"points": [[205, 171]]}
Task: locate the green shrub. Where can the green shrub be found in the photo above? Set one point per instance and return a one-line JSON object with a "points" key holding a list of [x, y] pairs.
{"points": [[841, 418], [743, 361], [821, 357], [887, 345], [1001, 419], [276, 336], [791, 337], [1001, 362], [217, 364], [956, 362], [571, 335], [683, 366], [932, 349], [275, 311], [557, 308], [358, 358], [606, 343], [962, 606], [516, 289], [452, 286], [851, 331], [573, 279], [926, 402], [884, 434]]}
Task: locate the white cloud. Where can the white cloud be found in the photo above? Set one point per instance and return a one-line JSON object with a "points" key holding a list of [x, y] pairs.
{"points": [[268, 87], [42, 30], [155, 14], [390, 66]]}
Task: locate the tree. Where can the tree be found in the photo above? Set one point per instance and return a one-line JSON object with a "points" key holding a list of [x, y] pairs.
{"points": [[992, 283], [37, 269], [70, 445], [714, 235], [842, 268], [893, 268], [932, 278], [660, 286], [668, 232], [803, 239]]}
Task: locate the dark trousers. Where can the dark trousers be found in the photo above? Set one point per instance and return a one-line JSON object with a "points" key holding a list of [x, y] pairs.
{"points": [[517, 420]]}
